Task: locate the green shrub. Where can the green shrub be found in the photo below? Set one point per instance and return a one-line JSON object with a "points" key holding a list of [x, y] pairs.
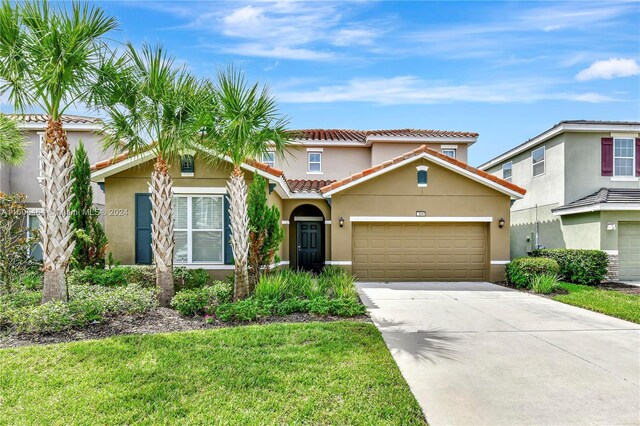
{"points": [[31, 280], [588, 267], [521, 270], [204, 300], [20, 299], [272, 287], [544, 284], [188, 279], [242, 311], [88, 304], [118, 276], [338, 283]]}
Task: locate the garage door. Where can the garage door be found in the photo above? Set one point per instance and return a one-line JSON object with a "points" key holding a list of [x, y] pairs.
{"points": [[420, 252], [629, 250]]}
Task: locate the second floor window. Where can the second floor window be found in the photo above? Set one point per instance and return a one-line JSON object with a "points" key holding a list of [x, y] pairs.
{"points": [[450, 152], [623, 157], [269, 158], [315, 162], [507, 170], [537, 158]]}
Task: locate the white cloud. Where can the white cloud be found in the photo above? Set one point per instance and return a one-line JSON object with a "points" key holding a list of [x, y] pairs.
{"points": [[354, 36], [413, 90], [610, 68], [279, 52]]}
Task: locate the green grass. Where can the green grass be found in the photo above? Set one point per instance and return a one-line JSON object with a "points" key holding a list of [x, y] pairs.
{"points": [[610, 302], [315, 373]]}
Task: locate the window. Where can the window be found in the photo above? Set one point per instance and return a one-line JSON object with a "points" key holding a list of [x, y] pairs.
{"points": [[537, 157], [187, 164], [33, 222], [198, 229], [507, 170], [269, 158], [449, 152], [315, 162], [422, 176], [623, 157]]}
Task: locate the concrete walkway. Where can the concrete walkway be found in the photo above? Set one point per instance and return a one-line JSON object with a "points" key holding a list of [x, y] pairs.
{"points": [[481, 354]]}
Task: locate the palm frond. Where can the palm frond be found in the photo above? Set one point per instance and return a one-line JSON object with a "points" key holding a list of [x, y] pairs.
{"points": [[12, 142], [245, 121]]}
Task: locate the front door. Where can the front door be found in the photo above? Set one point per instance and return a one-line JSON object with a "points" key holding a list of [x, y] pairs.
{"points": [[309, 235]]}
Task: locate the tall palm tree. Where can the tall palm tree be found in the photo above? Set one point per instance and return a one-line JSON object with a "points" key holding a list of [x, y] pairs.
{"points": [[12, 142], [47, 60], [152, 106], [245, 123]]}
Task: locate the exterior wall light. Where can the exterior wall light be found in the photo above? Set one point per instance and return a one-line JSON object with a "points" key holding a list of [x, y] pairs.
{"points": [[341, 221], [611, 226], [501, 222]]}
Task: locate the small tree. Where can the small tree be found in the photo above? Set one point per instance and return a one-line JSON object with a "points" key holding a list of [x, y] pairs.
{"points": [[91, 241], [265, 232], [15, 241]]}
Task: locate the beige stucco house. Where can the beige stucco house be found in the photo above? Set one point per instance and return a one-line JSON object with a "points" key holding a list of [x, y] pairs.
{"points": [[390, 205], [26, 177], [583, 191]]}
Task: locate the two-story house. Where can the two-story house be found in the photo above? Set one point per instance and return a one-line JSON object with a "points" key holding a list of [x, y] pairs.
{"points": [[26, 177], [390, 205], [583, 191]]}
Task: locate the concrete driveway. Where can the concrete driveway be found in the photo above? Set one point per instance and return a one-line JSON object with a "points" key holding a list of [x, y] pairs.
{"points": [[481, 354]]}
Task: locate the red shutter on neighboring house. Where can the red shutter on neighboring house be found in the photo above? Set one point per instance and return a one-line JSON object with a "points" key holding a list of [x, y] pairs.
{"points": [[606, 157], [637, 156]]}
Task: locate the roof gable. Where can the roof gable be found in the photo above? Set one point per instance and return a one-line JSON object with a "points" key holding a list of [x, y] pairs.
{"points": [[432, 155]]}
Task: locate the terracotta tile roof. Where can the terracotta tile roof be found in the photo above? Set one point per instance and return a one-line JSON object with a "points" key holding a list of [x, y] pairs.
{"points": [[361, 135], [118, 158], [108, 162], [415, 153], [265, 168], [43, 118], [307, 185]]}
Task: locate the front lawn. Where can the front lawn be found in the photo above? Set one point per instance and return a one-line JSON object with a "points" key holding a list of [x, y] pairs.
{"points": [[610, 302], [312, 373]]}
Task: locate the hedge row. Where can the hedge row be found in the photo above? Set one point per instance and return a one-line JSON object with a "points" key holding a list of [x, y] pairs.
{"points": [[588, 267]]}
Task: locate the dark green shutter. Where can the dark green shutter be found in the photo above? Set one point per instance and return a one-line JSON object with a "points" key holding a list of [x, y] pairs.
{"points": [[228, 252], [143, 230]]}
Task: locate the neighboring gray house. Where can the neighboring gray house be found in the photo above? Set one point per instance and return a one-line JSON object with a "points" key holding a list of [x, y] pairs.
{"points": [[583, 191], [25, 178]]}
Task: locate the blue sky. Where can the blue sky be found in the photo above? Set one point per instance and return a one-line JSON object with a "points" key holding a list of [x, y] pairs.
{"points": [[507, 70]]}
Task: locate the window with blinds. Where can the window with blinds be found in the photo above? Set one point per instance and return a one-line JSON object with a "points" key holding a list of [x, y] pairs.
{"points": [[198, 228]]}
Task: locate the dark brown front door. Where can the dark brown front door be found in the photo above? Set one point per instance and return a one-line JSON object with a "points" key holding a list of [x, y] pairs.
{"points": [[309, 235]]}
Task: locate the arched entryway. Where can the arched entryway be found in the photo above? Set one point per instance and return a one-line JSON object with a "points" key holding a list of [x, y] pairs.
{"points": [[306, 242]]}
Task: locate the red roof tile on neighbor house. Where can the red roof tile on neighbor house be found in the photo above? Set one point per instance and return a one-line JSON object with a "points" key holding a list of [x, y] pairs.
{"points": [[415, 153], [361, 135], [307, 185], [43, 118]]}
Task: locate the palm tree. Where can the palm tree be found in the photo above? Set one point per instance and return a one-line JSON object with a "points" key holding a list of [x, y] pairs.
{"points": [[245, 123], [47, 60], [12, 142], [152, 106]]}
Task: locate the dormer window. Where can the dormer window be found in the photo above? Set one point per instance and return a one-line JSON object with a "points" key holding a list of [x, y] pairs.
{"points": [[187, 166], [449, 152], [269, 158], [422, 176]]}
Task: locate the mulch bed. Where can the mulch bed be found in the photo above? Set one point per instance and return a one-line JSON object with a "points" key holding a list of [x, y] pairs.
{"points": [[161, 320]]}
